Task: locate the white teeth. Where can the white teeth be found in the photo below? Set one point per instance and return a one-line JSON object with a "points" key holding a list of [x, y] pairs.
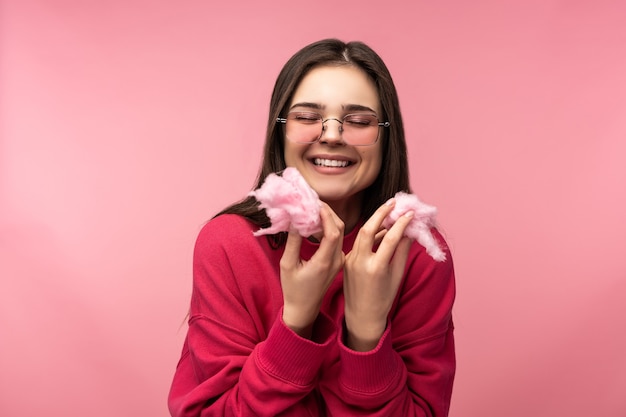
{"points": [[330, 163]]}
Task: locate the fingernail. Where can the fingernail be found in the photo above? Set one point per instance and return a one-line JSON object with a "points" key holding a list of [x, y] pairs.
{"points": [[390, 201], [409, 213]]}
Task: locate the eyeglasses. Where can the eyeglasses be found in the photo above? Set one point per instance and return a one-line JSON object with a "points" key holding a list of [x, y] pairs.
{"points": [[358, 129]]}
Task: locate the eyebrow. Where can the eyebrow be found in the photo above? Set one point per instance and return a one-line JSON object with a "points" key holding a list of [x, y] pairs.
{"points": [[345, 107]]}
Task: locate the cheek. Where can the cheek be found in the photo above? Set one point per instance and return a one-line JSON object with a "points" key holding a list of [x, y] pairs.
{"points": [[375, 171], [293, 152], [373, 159]]}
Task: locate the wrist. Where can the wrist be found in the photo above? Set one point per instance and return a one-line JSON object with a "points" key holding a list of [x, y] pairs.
{"points": [[301, 324], [362, 338]]}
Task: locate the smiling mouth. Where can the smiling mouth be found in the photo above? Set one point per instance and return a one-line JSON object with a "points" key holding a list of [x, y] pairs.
{"points": [[333, 163]]}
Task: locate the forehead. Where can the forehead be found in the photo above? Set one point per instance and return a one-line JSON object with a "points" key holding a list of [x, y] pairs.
{"points": [[335, 87]]}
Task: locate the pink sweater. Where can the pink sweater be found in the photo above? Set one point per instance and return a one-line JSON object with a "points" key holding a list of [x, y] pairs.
{"points": [[239, 358]]}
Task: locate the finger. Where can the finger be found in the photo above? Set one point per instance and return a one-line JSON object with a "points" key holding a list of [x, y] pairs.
{"points": [[379, 236], [370, 231], [394, 236], [332, 239], [291, 255], [401, 254]]}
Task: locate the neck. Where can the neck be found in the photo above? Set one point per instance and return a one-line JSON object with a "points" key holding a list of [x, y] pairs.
{"points": [[349, 211]]}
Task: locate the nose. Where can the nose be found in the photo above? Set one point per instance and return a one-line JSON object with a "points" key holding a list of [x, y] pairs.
{"points": [[330, 133]]}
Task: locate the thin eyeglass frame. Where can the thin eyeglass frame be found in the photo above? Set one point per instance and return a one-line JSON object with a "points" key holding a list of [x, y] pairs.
{"points": [[380, 124]]}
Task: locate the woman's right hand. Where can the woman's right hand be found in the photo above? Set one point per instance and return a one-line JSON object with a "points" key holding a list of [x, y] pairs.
{"points": [[304, 283]]}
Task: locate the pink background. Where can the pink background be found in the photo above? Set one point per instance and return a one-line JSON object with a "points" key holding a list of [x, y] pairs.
{"points": [[126, 124]]}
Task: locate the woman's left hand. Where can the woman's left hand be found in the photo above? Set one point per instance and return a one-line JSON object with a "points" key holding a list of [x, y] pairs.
{"points": [[372, 277]]}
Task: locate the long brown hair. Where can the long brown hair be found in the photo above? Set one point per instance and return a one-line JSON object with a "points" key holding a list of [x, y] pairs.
{"points": [[394, 172]]}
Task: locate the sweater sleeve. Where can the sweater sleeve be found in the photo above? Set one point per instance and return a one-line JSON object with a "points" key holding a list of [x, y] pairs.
{"points": [[239, 358], [411, 370]]}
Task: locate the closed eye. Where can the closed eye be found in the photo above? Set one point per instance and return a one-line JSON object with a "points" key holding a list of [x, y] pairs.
{"points": [[305, 117], [361, 120]]}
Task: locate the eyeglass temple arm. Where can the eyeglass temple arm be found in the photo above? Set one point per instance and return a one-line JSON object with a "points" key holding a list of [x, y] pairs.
{"points": [[283, 120]]}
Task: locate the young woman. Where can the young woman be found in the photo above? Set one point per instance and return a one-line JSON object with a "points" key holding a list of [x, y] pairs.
{"points": [[355, 321]]}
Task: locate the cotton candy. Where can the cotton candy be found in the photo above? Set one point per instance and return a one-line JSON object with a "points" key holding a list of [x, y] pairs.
{"points": [[419, 228], [289, 202]]}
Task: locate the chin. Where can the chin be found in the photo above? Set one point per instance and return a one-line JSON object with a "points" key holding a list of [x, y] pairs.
{"points": [[329, 196]]}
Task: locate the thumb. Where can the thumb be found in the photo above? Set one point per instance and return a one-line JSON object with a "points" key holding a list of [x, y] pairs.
{"points": [[291, 255], [398, 262]]}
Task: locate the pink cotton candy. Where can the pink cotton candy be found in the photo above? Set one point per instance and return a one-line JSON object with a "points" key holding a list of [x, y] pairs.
{"points": [[420, 225], [289, 202]]}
